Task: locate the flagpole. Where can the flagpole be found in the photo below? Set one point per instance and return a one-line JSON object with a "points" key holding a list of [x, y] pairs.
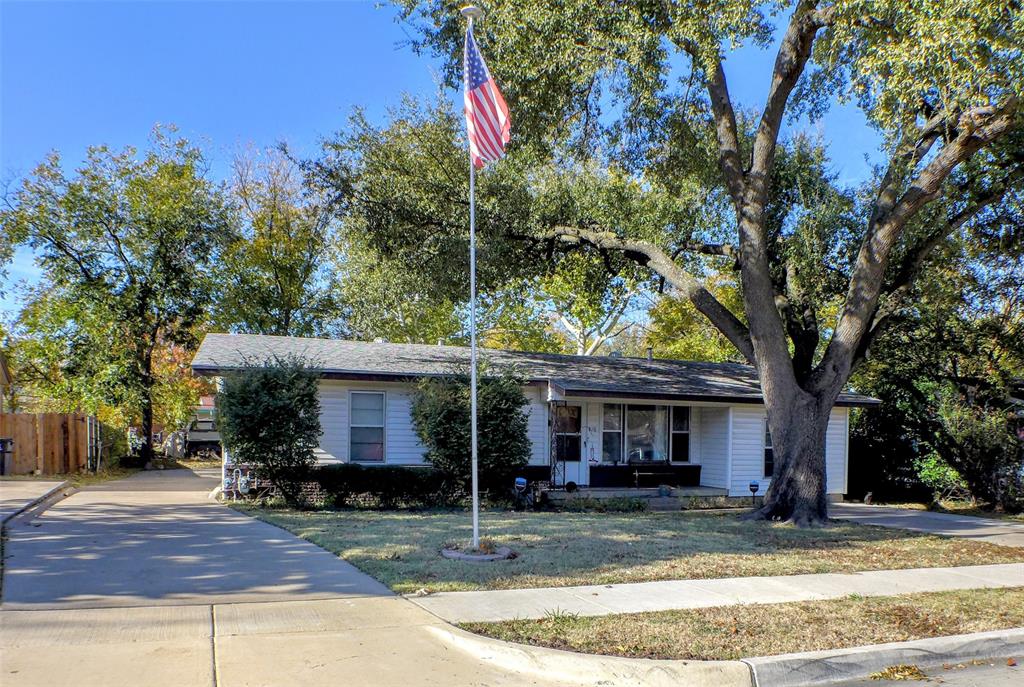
{"points": [[470, 13]]}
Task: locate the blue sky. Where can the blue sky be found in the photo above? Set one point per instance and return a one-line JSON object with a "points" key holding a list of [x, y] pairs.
{"points": [[238, 73]]}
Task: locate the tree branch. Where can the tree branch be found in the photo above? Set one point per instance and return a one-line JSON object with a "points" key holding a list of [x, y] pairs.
{"points": [[976, 129], [651, 256]]}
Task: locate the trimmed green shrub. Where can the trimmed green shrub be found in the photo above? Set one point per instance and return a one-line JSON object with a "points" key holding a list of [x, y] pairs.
{"points": [[269, 417], [386, 486], [441, 415]]}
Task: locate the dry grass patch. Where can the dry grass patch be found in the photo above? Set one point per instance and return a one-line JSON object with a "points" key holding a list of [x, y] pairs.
{"points": [[733, 632], [401, 548]]}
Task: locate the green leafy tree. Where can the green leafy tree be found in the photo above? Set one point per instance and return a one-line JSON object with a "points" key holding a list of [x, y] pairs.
{"points": [[677, 330], [600, 76], [947, 368], [590, 301], [275, 277], [124, 244], [268, 416], [441, 416], [383, 301]]}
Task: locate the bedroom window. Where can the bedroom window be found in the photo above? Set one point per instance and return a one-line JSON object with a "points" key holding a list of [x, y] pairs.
{"points": [[611, 433], [366, 426], [680, 434], [769, 452]]}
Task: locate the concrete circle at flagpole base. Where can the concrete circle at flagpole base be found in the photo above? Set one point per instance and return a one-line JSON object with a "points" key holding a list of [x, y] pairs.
{"points": [[502, 553]]}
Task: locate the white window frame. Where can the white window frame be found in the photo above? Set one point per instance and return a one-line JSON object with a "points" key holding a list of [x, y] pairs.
{"points": [[672, 435], [625, 427], [621, 431], [765, 431], [382, 426]]}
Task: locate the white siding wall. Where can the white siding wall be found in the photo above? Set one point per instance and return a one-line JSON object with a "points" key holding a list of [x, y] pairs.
{"points": [[333, 421], [401, 445], [537, 425], [400, 441], [836, 463], [713, 440], [748, 450], [696, 447], [709, 443]]}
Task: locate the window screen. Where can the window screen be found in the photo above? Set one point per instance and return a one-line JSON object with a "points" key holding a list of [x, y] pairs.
{"points": [[366, 426]]}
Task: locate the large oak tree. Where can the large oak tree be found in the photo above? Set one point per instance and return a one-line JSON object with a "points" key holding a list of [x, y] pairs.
{"points": [[940, 79]]}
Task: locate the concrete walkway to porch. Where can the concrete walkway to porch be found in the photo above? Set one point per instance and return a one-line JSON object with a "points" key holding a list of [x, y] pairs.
{"points": [[512, 604]]}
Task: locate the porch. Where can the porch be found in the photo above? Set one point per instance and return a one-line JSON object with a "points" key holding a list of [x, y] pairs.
{"points": [[612, 447]]}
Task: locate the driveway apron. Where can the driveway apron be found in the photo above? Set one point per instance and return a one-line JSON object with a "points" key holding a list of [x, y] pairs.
{"points": [[145, 581]]}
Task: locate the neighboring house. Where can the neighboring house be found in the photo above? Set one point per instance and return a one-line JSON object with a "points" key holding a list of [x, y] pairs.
{"points": [[596, 421]]}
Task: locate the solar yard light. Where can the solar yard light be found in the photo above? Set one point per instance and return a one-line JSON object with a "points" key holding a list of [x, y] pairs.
{"points": [[754, 486]]}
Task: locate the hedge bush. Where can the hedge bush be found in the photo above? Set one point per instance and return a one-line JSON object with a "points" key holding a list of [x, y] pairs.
{"points": [[441, 416], [387, 486], [268, 416]]}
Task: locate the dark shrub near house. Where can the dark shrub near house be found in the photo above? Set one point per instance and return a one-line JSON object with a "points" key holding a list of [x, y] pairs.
{"points": [[441, 416], [269, 417], [349, 484]]}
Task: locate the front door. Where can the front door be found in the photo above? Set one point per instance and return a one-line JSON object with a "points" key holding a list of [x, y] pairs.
{"points": [[568, 444]]}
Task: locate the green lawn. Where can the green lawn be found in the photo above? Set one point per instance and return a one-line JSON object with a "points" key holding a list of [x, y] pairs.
{"points": [[401, 548], [732, 632]]}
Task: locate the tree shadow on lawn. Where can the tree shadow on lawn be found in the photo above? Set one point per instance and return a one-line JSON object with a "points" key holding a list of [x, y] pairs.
{"points": [[400, 548]]}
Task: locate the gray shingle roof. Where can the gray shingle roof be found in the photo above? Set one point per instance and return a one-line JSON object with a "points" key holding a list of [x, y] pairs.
{"points": [[569, 374]]}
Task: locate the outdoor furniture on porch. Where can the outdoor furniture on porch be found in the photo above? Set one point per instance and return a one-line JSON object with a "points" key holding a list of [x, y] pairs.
{"points": [[646, 474]]}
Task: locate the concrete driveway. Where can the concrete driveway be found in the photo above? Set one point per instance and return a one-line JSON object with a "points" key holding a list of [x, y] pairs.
{"points": [[991, 530], [146, 582]]}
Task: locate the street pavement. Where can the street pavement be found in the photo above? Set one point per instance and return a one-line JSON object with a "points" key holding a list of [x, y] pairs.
{"points": [[147, 582], [991, 530]]}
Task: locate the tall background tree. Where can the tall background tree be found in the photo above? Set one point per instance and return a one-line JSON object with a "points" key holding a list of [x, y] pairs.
{"points": [[603, 78], [125, 244], [275, 277]]}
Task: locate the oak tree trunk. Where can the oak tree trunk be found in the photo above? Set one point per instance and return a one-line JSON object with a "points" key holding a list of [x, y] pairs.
{"points": [[797, 491]]}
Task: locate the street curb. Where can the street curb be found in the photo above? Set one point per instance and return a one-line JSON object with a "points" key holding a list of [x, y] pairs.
{"points": [[825, 667], [37, 501], [568, 667]]}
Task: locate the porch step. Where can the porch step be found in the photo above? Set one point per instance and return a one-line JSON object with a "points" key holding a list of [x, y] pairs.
{"points": [[664, 503]]}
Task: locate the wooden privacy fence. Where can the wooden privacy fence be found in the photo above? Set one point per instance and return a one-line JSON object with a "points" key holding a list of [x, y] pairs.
{"points": [[50, 443]]}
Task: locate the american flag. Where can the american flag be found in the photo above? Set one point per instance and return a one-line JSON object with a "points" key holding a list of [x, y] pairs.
{"points": [[487, 120]]}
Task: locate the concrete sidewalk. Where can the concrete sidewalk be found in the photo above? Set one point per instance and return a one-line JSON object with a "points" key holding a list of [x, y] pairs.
{"points": [[511, 604], [991, 530], [17, 495]]}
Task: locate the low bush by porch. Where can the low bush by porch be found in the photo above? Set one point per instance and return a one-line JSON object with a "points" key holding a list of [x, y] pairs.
{"points": [[400, 548]]}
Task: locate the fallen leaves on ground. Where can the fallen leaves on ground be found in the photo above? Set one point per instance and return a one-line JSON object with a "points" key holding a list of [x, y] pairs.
{"points": [[900, 672]]}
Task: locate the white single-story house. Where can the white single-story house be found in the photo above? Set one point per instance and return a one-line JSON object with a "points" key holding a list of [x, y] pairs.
{"points": [[596, 421]]}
